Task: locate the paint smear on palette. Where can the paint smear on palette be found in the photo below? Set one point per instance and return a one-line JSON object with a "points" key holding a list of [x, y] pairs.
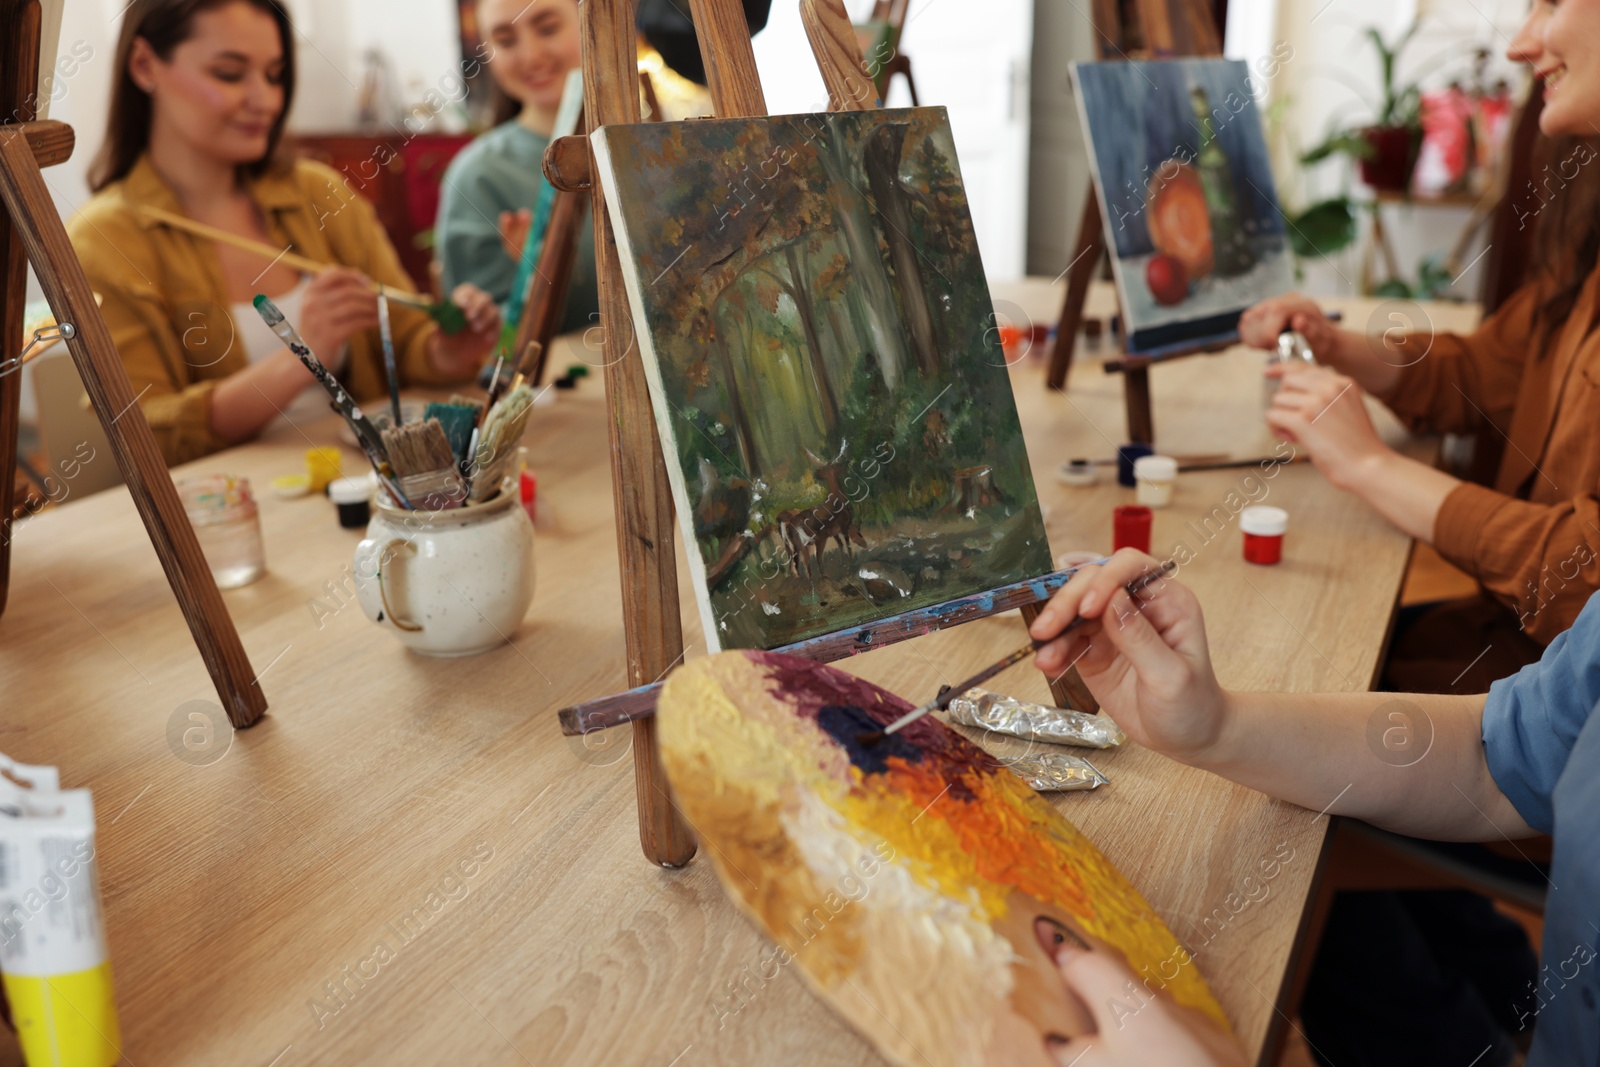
{"points": [[920, 886]]}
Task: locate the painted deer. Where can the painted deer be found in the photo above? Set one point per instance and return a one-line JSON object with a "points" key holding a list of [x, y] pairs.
{"points": [[813, 528]]}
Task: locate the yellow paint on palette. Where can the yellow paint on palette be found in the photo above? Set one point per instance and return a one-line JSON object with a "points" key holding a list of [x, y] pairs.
{"points": [[66, 1020], [917, 882]]}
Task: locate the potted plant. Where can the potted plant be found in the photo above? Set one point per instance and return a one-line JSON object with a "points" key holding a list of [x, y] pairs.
{"points": [[1387, 148]]}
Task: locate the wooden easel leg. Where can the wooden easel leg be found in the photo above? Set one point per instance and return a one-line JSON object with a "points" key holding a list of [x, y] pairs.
{"points": [[1136, 396], [34, 221], [1068, 690], [13, 276], [19, 80], [1091, 243], [646, 530]]}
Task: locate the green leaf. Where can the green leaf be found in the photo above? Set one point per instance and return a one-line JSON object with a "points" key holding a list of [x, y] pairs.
{"points": [[1433, 278], [1348, 142], [1323, 228], [1394, 287]]}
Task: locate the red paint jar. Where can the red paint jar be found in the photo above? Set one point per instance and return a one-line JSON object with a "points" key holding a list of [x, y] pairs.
{"points": [[1130, 527], [1263, 529]]}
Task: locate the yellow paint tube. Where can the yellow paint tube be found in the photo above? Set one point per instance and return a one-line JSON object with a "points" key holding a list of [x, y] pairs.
{"points": [[53, 958]]}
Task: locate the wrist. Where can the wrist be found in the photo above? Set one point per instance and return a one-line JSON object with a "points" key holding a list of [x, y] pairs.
{"points": [[1226, 737], [1366, 471], [1342, 354]]}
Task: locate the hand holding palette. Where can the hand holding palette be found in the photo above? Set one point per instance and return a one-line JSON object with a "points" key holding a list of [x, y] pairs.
{"points": [[921, 887]]}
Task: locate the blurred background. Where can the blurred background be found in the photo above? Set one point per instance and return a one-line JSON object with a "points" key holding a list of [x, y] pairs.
{"points": [[373, 72]]}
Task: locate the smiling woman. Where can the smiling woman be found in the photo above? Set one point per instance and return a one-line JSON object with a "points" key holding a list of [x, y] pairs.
{"points": [[194, 129], [1524, 382], [486, 205]]}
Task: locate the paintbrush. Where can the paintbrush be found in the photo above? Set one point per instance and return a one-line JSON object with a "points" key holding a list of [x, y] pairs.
{"points": [[341, 401], [424, 465], [448, 315], [502, 428], [530, 356], [1184, 461], [1232, 464], [392, 372], [941, 702], [458, 420]]}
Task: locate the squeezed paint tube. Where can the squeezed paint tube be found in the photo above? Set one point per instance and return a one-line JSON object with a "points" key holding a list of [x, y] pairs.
{"points": [[53, 960], [1020, 718], [1055, 772]]}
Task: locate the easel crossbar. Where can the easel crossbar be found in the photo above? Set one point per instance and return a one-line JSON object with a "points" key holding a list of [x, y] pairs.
{"points": [[640, 701]]}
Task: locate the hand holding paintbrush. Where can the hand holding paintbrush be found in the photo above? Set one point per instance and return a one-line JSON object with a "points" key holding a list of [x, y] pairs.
{"points": [[1145, 660], [1133, 588]]}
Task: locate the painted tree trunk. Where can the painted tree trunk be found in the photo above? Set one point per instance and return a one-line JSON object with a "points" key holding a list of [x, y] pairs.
{"points": [[800, 293], [741, 421], [881, 158], [876, 297]]}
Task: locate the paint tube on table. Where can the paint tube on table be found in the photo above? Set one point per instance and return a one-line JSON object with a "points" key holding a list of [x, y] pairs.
{"points": [[53, 959], [1055, 772], [1036, 722]]}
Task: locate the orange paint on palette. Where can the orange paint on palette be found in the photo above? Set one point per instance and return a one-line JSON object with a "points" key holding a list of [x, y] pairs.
{"points": [[910, 879]]}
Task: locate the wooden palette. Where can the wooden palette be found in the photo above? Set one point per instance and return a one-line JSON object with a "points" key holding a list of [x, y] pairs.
{"points": [[917, 884]]}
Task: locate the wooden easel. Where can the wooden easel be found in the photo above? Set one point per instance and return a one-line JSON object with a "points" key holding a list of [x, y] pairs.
{"points": [[1158, 29], [31, 230], [646, 530]]}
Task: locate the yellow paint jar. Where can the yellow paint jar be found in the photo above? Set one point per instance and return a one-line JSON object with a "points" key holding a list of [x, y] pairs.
{"points": [[322, 467]]}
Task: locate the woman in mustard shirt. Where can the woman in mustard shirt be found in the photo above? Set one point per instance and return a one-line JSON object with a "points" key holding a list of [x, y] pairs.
{"points": [[197, 114]]}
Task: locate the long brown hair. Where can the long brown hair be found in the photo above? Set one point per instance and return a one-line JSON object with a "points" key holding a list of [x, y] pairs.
{"points": [[1567, 243], [165, 24]]}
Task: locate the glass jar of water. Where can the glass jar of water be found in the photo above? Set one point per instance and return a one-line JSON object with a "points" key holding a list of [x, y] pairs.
{"points": [[227, 525]]}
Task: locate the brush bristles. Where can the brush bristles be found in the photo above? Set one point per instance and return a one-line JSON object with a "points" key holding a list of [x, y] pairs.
{"points": [[458, 421], [418, 448], [502, 430]]}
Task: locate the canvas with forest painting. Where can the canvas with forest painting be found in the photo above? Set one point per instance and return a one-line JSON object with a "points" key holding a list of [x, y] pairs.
{"points": [[831, 396]]}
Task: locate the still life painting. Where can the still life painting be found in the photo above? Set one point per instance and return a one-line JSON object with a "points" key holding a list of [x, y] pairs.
{"points": [[915, 883], [833, 404], [1187, 200]]}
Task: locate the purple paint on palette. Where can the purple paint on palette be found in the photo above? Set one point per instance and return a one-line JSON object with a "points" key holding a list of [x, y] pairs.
{"points": [[811, 688]]}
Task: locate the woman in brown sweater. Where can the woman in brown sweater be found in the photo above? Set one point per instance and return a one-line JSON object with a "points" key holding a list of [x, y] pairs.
{"points": [[1529, 375], [197, 110]]}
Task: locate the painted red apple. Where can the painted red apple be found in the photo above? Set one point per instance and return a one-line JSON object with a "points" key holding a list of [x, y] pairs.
{"points": [[1167, 279]]}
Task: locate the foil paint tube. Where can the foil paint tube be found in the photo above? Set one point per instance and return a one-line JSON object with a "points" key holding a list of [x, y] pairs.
{"points": [[1021, 718], [1055, 772], [53, 958]]}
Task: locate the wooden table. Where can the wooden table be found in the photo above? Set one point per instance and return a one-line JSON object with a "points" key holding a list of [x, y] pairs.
{"points": [[305, 897]]}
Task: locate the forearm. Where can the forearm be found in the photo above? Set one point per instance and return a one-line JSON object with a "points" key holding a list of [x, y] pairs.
{"points": [[1407, 493], [1357, 355], [247, 400], [1411, 763]]}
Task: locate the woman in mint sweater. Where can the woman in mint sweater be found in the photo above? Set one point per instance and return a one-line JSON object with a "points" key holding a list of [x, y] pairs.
{"points": [[490, 188]]}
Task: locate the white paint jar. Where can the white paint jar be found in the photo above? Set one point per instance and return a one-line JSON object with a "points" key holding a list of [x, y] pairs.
{"points": [[1154, 478]]}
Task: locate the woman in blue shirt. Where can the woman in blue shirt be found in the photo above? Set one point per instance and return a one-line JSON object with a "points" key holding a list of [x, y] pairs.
{"points": [[490, 188], [1525, 759]]}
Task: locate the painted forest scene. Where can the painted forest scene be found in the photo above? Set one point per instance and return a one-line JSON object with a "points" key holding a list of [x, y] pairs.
{"points": [[832, 400]]}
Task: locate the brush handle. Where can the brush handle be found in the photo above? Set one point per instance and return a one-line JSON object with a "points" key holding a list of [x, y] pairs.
{"points": [[343, 402], [990, 671], [386, 335], [293, 260], [1134, 588]]}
